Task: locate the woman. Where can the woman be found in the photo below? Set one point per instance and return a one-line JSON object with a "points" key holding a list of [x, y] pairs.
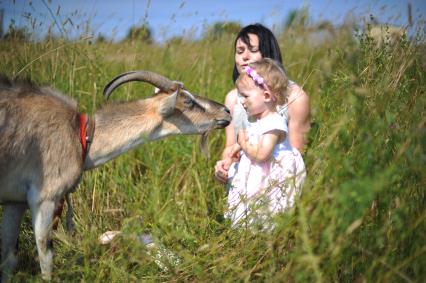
{"points": [[254, 42]]}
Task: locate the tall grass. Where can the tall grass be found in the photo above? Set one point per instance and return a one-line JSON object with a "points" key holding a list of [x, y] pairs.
{"points": [[361, 217]]}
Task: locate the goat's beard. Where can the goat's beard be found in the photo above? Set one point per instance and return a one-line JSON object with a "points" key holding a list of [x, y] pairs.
{"points": [[204, 142]]}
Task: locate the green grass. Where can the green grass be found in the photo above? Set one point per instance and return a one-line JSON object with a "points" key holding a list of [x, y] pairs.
{"points": [[361, 217]]}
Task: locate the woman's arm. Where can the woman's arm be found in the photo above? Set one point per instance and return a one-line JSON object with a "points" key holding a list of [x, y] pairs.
{"points": [[299, 117], [263, 150], [231, 140], [230, 154]]}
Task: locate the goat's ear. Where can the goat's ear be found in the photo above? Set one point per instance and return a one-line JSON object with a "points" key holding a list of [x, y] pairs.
{"points": [[168, 104], [177, 85]]}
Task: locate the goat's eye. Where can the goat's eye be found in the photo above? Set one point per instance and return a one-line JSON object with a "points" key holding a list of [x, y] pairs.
{"points": [[188, 102]]}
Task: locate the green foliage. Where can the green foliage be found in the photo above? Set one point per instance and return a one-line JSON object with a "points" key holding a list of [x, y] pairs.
{"points": [[297, 18], [220, 29], [142, 34], [361, 216], [16, 34]]}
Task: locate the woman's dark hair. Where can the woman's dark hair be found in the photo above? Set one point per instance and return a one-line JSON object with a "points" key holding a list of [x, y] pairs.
{"points": [[268, 44]]}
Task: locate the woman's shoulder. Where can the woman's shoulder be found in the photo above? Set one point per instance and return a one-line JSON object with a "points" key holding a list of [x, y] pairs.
{"points": [[231, 98], [298, 100], [232, 94], [295, 90]]}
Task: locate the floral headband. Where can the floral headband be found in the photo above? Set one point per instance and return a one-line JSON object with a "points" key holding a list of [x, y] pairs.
{"points": [[255, 76], [258, 79]]}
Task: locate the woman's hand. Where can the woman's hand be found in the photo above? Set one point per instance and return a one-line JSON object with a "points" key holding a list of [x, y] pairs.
{"points": [[231, 155]]}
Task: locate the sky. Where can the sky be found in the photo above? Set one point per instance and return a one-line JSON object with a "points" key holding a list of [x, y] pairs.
{"points": [[188, 18]]}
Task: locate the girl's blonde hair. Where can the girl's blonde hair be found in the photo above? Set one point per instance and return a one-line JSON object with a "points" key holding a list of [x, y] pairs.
{"points": [[273, 76]]}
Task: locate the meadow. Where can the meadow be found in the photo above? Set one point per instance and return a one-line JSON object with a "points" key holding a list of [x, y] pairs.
{"points": [[361, 216]]}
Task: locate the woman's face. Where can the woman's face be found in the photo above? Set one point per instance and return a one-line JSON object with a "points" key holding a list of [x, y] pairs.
{"points": [[245, 54]]}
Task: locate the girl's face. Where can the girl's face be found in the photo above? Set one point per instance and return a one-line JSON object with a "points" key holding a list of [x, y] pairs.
{"points": [[253, 98], [245, 54]]}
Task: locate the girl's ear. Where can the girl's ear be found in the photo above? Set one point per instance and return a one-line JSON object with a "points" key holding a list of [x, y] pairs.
{"points": [[267, 95]]}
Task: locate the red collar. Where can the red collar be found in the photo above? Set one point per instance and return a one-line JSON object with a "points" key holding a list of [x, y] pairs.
{"points": [[87, 129]]}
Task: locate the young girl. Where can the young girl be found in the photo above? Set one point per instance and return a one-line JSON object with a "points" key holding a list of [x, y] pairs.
{"points": [[264, 181]]}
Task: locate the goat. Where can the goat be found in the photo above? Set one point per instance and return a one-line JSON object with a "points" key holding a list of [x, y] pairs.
{"points": [[44, 146]]}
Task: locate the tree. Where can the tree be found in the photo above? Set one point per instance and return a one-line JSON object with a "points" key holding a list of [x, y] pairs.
{"points": [[219, 29], [298, 18], [19, 34], [142, 33]]}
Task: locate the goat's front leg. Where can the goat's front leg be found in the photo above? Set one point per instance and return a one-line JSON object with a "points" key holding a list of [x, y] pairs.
{"points": [[42, 218], [70, 223], [12, 215]]}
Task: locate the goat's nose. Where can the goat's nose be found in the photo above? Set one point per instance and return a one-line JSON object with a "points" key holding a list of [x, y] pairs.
{"points": [[226, 110]]}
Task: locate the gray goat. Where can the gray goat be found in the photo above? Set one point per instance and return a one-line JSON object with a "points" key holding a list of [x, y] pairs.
{"points": [[44, 146]]}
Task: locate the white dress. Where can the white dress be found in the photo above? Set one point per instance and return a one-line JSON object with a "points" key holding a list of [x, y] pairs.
{"points": [[259, 189]]}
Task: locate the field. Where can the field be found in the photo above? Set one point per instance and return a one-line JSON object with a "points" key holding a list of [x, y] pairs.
{"points": [[361, 217]]}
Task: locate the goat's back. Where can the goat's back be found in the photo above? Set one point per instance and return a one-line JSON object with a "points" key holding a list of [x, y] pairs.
{"points": [[39, 140]]}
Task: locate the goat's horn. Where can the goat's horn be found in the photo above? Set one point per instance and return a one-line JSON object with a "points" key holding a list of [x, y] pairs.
{"points": [[144, 76]]}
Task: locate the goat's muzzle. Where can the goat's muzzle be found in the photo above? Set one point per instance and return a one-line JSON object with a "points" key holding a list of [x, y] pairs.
{"points": [[225, 121], [220, 124]]}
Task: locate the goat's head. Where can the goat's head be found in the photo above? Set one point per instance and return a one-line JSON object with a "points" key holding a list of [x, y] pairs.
{"points": [[180, 111]]}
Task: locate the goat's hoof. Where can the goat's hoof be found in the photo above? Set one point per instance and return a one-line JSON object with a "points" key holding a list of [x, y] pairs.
{"points": [[46, 276], [108, 236]]}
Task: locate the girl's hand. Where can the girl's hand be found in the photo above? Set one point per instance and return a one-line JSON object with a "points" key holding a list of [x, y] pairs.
{"points": [[242, 139]]}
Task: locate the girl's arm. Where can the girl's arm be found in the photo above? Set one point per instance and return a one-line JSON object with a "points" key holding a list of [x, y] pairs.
{"points": [[263, 150]]}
